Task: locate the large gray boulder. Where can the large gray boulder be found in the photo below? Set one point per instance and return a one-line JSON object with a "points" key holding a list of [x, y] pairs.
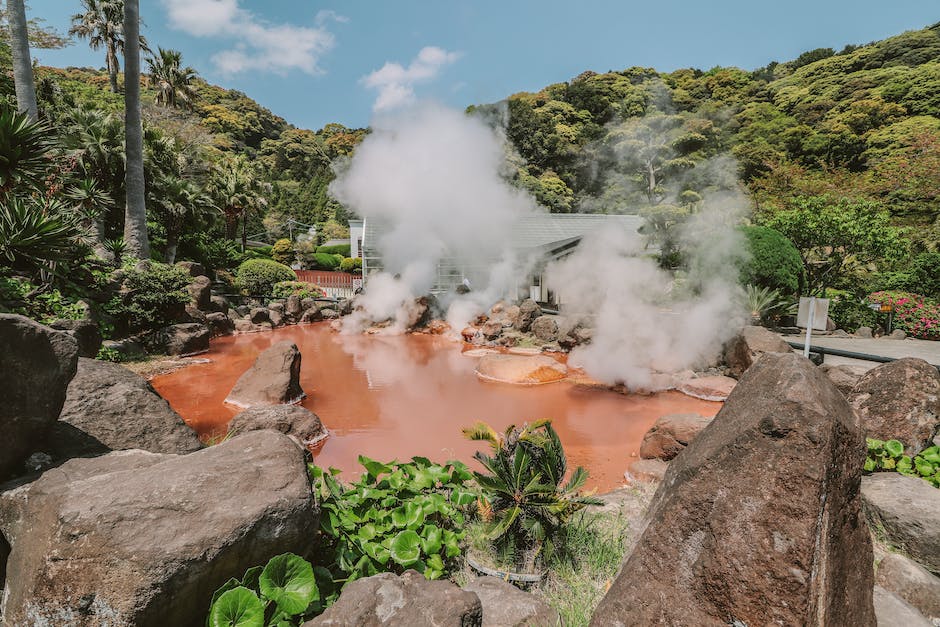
{"points": [[200, 291], [274, 379], [910, 581], [906, 511], [292, 420], [747, 346], [85, 332], [408, 600], [545, 328], [109, 408], [144, 539], [36, 365], [670, 434], [505, 605], [758, 520], [893, 611], [899, 400], [189, 338], [529, 310], [845, 376]]}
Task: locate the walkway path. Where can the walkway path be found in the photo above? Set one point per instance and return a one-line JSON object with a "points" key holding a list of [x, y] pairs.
{"points": [[924, 349]]}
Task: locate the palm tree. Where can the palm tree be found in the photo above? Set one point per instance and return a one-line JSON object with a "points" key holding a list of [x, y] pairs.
{"points": [[173, 81], [135, 216], [92, 204], [22, 64], [239, 192], [101, 24], [175, 199]]}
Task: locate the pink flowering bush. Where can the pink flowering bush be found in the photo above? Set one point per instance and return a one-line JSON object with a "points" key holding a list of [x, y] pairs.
{"points": [[916, 315]]}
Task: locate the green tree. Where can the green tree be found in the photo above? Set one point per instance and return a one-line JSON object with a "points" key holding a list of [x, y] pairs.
{"points": [[239, 192], [174, 82], [835, 236], [102, 24]]}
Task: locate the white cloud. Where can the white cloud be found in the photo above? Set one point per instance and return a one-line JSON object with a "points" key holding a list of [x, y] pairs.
{"points": [[396, 83], [261, 45], [326, 15]]}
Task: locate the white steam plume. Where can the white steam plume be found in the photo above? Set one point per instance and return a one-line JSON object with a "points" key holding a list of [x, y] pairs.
{"points": [[645, 321], [433, 177]]}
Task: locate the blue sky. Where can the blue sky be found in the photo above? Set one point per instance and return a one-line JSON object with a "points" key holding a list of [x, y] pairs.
{"points": [[315, 62]]}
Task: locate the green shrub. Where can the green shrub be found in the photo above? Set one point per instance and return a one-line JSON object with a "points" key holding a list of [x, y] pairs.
{"points": [[849, 314], [351, 264], [297, 288], [16, 296], [106, 353], [257, 277], [324, 261], [774, 261], [336, 249], [925, 273], [156, 297], [283, 251], [395, 517]]}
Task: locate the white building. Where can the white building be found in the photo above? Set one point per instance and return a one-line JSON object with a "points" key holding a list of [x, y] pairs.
{"points": [[547, 237]]}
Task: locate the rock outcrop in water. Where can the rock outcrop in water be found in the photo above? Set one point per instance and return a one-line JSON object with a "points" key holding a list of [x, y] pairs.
{"points": [[670, 435], [759, 519], [521, 369], [109, 408], [136, 538], [292, 420], [899, 400], [274, 379], [36, 365]]}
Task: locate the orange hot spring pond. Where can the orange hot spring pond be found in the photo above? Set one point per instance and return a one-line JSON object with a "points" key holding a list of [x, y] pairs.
{"points": [[390, 397]]}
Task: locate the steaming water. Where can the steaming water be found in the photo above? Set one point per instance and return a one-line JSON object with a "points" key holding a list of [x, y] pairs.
{"points": [[399, 396]]}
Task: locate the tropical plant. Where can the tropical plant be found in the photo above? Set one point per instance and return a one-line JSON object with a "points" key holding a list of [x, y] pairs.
{"points": [[116, 248], [239, 191], [173, 199], [36, 234], [281, 594], [766, 305], [525, 498], [257, 277], [102, 24], [398, 515], [25, 148], [886, 455], [174, 82]]}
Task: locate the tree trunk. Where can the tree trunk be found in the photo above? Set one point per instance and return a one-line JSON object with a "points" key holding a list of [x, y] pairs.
{"points": [[135, 215], [112, 63], [172, 243], [231, 223], [22, 64], [244, 230]]}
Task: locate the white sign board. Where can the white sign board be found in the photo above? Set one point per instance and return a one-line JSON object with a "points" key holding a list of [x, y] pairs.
{"points": [[820, 313], [357, 284]]}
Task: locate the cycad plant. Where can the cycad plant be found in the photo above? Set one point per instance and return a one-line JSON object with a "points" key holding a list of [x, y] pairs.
{"points": [[525, 497], [767, 305], [35, 235], [25, 150]]}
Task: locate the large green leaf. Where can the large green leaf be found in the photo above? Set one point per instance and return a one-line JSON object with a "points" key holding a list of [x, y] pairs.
{"points": [[431, 539], [239, 607], [288, 581], [406, 548], [894, 448], [373, 467], [409, 515]]}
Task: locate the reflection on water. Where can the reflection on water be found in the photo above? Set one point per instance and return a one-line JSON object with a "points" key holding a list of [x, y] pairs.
{"points": [[399, 396]]}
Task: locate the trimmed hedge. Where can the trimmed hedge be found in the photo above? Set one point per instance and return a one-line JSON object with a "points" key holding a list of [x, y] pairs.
{"points": [[351, 264], [849, 315], [257, 277], [324, 261], [297, 288], [774, 263], [338, 249]]}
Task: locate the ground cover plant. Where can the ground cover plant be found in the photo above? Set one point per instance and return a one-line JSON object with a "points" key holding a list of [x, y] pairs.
{"points": [[281, 594], [889, 456], [397, 516]]}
